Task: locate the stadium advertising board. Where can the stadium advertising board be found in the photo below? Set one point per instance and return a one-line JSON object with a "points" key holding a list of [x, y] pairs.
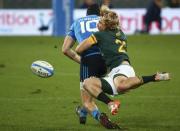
{"points": [[26, 22], [30, 22]]}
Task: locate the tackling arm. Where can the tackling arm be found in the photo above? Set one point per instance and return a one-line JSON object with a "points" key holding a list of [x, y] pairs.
{"points": [[67, 49], [86, 44]]}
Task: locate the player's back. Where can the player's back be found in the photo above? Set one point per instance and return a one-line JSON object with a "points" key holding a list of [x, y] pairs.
{"points": [[113, 45], [83, 28]]}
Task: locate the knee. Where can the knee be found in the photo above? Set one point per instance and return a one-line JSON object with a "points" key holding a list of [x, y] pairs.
{"points": [[87, 83], [121, 87], [86, 104]]}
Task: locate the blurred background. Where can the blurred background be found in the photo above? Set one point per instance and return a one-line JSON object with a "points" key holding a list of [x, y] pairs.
{"points": [[5, 4], [54, 17]]}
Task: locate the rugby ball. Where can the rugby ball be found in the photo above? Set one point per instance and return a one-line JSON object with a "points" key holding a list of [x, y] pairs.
{"points": [[42, 68]]}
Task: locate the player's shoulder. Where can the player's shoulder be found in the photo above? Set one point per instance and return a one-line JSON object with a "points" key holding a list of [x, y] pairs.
{"points": [[92, 16], [120, 35], [121, 31], [75, 23], [123, 36], [100, 34]]}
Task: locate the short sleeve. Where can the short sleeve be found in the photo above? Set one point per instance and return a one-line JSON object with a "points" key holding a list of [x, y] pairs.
{"points": [[123, 36], [71, 32], [97, 36], [92, 39]]}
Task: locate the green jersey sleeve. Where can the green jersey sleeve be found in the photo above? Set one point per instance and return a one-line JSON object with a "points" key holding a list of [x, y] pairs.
{"points": [[97, 37]]}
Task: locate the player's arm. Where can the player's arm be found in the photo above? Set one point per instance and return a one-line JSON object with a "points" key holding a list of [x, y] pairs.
{"points": [[86, 44], [67, 49]]}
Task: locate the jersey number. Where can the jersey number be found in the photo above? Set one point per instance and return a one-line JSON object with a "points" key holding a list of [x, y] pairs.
{"points": [[86, 26], [122, 47]]}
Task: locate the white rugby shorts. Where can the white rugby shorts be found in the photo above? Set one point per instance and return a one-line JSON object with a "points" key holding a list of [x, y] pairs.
{"points": [[124, 69]]}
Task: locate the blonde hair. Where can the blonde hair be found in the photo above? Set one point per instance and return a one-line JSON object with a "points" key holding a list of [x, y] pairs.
{"points": [[104, 9], [109, 18]]}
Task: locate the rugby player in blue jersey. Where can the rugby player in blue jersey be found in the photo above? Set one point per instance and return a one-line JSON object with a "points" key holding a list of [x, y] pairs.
{"points": [[91, 64]]}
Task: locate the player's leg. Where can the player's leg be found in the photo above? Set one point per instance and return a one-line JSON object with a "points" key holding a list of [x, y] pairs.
{"points": [[100, 117], [87, 100], [89, 104], [124, 84], [147, 23], [119, 80], [81, 110], [93, 86], [159, 21], [97, 88], [99, 70]]}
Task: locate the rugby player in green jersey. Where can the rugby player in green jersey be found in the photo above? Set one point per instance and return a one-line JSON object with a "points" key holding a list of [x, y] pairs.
{"points": [[113, 44], [78, 32]]}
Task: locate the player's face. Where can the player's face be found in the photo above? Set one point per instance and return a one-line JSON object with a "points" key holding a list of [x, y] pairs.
{"points": [[101, 26]]}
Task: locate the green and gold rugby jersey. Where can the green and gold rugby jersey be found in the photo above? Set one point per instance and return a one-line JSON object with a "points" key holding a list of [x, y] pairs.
{"points": [[113, 46]]}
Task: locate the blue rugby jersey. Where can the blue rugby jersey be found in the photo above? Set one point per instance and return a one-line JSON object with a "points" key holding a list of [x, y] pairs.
{"points": [[82, 29]]}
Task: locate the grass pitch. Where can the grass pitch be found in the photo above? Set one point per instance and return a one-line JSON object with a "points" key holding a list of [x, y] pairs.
{"points": [[30, 103]]}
